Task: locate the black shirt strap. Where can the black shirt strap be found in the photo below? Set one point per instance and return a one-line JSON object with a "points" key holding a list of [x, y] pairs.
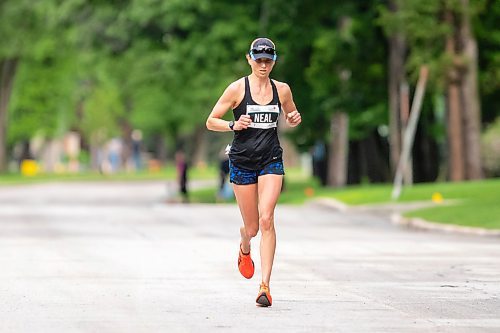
{"points": [[247, 90]]}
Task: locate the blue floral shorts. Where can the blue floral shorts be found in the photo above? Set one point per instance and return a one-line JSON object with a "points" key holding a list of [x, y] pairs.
{"points": [[240, 176]]}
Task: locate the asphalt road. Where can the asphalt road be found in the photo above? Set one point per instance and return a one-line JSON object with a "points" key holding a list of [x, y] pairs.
{"points": [[115, 257]]}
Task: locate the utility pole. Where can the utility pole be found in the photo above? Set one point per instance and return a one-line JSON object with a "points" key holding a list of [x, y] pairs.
{"points": [[410, 132]]}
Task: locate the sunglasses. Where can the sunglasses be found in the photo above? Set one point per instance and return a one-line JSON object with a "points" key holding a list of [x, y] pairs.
{"points": [[260, 50]]}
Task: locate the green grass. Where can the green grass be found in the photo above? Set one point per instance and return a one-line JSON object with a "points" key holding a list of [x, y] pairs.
{"points": [[370, 194], [167, 173], [477, 205], [472, 213]]}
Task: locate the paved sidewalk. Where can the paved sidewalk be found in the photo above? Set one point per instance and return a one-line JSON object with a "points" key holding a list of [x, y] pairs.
{"points": [[113, 257]]}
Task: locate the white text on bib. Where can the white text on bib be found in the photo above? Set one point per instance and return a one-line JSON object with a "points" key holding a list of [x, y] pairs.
{"points": [[263, 116]]}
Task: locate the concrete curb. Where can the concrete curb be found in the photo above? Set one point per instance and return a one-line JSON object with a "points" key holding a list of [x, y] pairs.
{"points": [[421, 224], [331, 203], [398, 219]]}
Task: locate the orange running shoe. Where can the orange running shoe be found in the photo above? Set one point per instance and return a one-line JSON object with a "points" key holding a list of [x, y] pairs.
{"points": [[245, 264], [264, 298]]}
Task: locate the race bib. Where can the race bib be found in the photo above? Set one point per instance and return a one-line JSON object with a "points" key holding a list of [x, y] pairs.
{"points": [[263, 116]]}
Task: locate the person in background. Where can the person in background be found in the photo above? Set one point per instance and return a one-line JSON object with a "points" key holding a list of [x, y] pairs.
{"points": [[224, 191], [136, 149], [182, 174]]}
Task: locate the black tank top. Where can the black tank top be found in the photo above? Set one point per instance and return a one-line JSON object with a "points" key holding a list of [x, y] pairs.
{"points": [[255, 147]]}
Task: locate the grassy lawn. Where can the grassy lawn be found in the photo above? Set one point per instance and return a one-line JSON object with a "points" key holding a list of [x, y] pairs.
{"points": [[167, 173], [472, 213], [369, 194], [478, 202]]}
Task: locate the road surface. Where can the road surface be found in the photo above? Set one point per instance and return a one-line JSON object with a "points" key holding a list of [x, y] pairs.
{"points": [[115, 257]]}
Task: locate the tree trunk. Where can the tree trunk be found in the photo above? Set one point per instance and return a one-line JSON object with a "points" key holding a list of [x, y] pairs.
{"points": [[161, 148], [126, 155], [95, 157], [397, 51], [264, 17], [337, 164], [126, 128], [456, 153], [8, 69], [470, 95], [455, 143]]}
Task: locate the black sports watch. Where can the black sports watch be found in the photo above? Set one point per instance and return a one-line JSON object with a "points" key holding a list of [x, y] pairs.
{"points": [[231, 125]]}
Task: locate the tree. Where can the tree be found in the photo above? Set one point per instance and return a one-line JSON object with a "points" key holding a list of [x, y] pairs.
{"points": [[350, 87], [28, 29], [453, 70], [14, 45], [487, 30], [161, 65], [397, 85]]}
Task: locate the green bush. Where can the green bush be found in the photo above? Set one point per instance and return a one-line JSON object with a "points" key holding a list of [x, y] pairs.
{"points": [[490, 149]]}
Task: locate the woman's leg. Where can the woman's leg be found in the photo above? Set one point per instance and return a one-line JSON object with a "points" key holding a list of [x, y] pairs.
{"points": [[246, 196], [269, 188]]}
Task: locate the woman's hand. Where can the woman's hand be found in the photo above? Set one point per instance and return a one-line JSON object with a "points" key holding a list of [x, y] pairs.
{"points": [[242, 123], [293, 118]]}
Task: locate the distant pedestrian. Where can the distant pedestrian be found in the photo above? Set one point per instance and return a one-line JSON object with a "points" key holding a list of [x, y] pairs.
{"points": [[182, 167], [115, 148], [136, 149], [225, 191], [223, 171], [256, 165], [319, 161]]}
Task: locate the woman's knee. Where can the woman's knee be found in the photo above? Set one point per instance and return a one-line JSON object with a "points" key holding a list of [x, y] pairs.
{"points": [[266, 222], [252, 231]]}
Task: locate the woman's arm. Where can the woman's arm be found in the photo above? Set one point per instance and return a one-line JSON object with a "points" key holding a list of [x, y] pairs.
{"points": [[227, 101], [292, 116]]}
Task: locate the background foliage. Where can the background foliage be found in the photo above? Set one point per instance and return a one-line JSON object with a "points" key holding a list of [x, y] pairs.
{"points": [[104, 67]]}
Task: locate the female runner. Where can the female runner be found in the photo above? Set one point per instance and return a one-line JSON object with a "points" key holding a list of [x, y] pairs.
{"points": [[256, 165]]}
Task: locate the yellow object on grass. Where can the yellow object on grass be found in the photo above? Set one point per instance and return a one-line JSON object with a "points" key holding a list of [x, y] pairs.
{"points": [[29, 168], [437, 197]]}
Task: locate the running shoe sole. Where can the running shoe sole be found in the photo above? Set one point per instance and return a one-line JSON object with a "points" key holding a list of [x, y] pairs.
{"points": [[263, 301]]}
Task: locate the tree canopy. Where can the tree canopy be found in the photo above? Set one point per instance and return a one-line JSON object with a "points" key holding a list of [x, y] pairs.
{"points": [[100, 67]]}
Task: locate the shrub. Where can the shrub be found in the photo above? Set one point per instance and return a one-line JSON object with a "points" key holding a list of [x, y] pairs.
{"points": [[490, 149]]}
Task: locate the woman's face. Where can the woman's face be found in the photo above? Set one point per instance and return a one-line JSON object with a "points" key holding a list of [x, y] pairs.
{"points": [[261, 67]]}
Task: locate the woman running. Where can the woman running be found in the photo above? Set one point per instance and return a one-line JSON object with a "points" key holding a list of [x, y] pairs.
{"points": [[256, 165]]}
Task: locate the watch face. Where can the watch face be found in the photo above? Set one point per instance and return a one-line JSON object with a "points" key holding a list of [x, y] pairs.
{"points": [[231, 124]]}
